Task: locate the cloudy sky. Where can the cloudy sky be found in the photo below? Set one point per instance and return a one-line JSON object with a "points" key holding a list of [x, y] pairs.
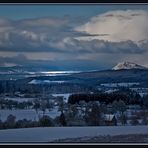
{"points": [[73, 37]]}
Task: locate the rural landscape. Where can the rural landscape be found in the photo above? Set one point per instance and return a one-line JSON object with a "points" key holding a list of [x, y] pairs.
{"points": [[73, 76]]}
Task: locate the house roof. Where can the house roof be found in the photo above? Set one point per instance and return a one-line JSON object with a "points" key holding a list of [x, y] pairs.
{"points": [[109, 117]]}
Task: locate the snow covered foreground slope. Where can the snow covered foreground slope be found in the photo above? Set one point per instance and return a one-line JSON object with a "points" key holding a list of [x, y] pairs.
{"points": [[48, 134]]}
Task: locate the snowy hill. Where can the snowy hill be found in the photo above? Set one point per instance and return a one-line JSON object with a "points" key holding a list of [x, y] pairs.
{"points": [[128, 65], [53, 133]]}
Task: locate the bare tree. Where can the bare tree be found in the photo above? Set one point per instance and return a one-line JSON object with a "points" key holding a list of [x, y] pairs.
{"points": [[43, 104]]}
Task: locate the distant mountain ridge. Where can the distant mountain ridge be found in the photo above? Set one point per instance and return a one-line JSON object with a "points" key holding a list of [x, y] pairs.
{"points": [[128, 65]]}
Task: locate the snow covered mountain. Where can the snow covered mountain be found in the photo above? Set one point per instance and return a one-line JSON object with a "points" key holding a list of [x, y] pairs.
{"points": [[128, 65]]}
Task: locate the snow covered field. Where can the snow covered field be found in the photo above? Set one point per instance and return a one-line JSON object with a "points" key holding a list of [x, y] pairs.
{"points": [[65, 96], [48, 134], [28, 114], [141, 91], [19, 99], [119, 84]]}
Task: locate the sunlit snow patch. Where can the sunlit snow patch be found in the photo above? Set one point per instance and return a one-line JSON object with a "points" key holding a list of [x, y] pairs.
{"points": [[44, 82]]}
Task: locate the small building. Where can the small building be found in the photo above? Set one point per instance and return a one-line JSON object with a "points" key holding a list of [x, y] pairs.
{"points": [[110, 119]]}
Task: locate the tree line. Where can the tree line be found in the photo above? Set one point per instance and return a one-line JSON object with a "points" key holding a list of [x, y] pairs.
{"points": [[128, 98]]}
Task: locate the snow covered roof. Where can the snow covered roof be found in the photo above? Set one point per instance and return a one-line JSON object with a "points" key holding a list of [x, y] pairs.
{"points": [[109, 117]]}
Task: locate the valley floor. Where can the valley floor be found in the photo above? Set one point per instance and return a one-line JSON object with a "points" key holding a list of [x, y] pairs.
{"points": [[50, 134]]}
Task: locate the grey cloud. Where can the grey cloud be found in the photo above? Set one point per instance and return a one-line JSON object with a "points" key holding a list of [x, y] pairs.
{"points": [[113, 14], [35, 34], [57, 35], [16, 59], [101, 46]]}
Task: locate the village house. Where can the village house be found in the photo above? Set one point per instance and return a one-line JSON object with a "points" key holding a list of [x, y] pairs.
{"points": [[110, 119]]}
